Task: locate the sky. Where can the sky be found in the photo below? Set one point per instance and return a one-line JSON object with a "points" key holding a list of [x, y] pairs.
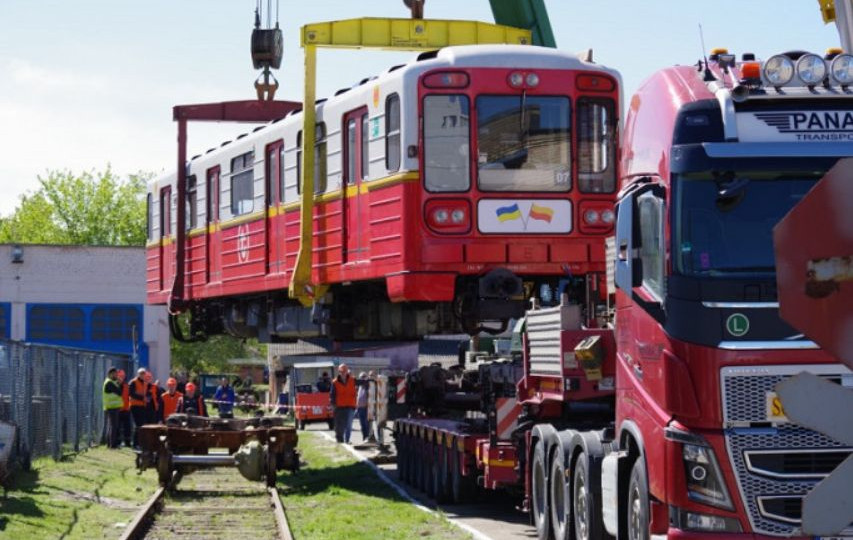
{"points": [[87, 84]]}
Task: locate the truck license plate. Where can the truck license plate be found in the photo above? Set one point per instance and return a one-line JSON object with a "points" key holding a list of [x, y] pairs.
{"points": [[317, 410], [775, 411]]}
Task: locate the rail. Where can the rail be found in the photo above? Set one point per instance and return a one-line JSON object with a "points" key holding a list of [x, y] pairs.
{"points": [[215, 499]]}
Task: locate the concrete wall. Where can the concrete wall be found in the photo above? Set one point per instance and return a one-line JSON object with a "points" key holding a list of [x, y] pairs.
{"points": [[83, 275]]}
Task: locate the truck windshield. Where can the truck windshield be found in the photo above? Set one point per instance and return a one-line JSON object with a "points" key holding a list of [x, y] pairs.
{"points": [[724, 219], [523, 143]]}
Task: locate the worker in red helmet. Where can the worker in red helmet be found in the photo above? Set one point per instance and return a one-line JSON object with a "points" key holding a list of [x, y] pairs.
{"points": [[171, 398], [125, 426], [192, 402]]}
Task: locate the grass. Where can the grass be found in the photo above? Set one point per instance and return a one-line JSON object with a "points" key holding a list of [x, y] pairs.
{"points": [[96, 493], [89, 495], [336, 497]]}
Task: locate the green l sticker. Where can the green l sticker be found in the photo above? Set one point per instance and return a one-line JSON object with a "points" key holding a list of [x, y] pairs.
{"points": [[737, 324]]}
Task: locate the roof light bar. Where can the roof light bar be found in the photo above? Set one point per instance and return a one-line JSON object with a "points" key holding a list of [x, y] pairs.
{"points": [[841, 69], [779, 70], [811, 69]]}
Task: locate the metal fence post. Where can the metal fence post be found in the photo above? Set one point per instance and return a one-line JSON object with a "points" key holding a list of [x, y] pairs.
{"points": [[27, 402], [57, 408], [76, 398]]}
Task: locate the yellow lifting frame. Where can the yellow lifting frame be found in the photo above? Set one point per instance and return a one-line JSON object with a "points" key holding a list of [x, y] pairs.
{"points": [[368, 33]]}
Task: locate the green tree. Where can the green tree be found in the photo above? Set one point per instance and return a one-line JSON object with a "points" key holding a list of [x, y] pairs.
{"points": [[89, 208], [212, 355]]}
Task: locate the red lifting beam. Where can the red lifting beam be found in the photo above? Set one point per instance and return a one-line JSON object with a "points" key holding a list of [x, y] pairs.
{"points": [[251, 111]]}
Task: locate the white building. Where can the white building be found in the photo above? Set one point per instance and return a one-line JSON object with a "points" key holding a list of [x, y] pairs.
{"points": [[87, 297]]}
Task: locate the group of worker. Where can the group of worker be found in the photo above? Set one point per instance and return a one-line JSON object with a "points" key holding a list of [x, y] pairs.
{"points": [[349, 398], [145, 402]]}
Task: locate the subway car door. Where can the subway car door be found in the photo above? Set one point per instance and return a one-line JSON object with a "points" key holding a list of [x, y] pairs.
{"points": [[274, 221], [213, 246], [357, 242], [166, 249]]}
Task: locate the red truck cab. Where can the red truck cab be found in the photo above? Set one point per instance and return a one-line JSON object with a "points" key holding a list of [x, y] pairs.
{"points": [[714, 155]]}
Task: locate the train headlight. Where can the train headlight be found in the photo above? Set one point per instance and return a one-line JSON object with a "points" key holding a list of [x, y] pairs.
{"points": [[841, 69], [516, 79], [779, 70], [448, 216], [591, 217], [811, 69], [532, 80], [608, 216]]}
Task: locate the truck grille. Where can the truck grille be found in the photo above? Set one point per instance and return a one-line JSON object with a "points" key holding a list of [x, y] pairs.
{"points": [[775, 464]]}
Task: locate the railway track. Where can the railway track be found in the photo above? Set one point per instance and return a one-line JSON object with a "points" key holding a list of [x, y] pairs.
{"points": [[212, 503]]}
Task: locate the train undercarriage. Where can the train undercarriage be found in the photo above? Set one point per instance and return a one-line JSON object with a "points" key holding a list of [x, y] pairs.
{"points": [[363, 311]]}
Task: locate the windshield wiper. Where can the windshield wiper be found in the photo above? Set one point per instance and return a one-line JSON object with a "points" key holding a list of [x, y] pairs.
{"points": [[730, 190]]}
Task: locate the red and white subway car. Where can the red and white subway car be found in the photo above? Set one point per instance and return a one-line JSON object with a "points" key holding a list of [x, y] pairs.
{"points": [[449, 191]]}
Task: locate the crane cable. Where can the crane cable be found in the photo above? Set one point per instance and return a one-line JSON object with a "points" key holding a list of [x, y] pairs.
{"points": [[259, 13]]}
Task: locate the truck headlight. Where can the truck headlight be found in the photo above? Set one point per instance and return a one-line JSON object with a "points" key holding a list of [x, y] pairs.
{"points": [[705, 482]]}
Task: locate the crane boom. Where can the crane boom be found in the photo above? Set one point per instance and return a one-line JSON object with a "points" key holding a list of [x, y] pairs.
{"points": [[528, 14], [838, 11]]}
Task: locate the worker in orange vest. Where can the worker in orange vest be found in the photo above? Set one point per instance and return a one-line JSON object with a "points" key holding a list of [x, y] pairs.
{"points": [[125, 427], [153, 404], [171, 398], [192, 402], [139, 398], [343, 399]]}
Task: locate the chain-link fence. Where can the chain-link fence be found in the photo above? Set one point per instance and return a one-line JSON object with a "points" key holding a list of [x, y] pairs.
{"points": [[54, 395]]}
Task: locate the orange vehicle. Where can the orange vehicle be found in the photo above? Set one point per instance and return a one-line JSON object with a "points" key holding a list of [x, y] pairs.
{"points": [[311, 404]]}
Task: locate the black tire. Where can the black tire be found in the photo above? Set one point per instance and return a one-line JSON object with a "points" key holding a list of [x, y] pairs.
{"points": [[638, 502], [331, 425], [429, 465], [462, 487], [418, 462], [412, 460], [438, 483], [539, 506], [400, 447], [300, 424], [586, 503], [560, 499], [442, 493]]}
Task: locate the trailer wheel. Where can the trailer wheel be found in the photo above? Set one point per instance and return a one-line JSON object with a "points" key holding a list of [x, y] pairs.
{"points": [[400, 447], [412, 460], [462, 489], [560, 499], [638, 502], [442, 487], [539, 492], [438, 483], [586, 503], [429, 472], [418, 464]]}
